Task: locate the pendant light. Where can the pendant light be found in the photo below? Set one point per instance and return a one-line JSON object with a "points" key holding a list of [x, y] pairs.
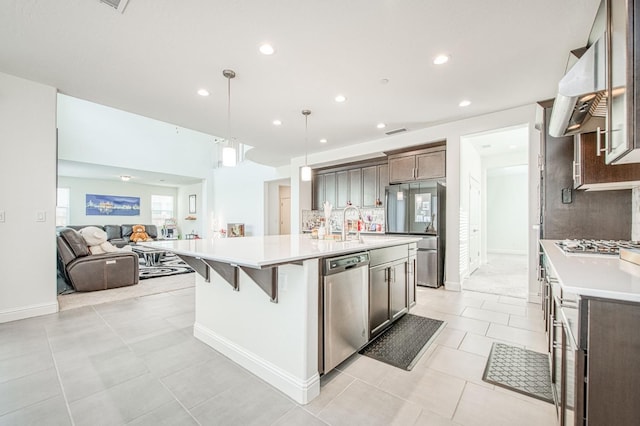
{"points": [[229, 151], [305, 172]]}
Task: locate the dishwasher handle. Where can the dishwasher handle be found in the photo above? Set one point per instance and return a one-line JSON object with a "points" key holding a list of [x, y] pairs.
{"points": [[336, 265]]}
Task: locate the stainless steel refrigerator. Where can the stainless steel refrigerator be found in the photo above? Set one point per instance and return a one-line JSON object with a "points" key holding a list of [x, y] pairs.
{"points": [[418, 208]]}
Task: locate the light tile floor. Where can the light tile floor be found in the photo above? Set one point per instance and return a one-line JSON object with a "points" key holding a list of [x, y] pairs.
{"points": [[136, 362], [503, 274]]}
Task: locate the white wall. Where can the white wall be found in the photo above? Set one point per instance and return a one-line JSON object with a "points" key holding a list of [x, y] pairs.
{"points": [[93, 133], [492, 162], [237, 195], [451, 132], [191, 226], [79, 188], [28, 175], [507, 210]]}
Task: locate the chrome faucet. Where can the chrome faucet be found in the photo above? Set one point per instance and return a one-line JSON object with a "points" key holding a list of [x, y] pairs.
{"points": [[344, 222]]}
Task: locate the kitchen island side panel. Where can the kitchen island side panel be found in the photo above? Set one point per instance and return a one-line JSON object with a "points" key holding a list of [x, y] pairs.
{"points": [[276, 341], [602, 215]]}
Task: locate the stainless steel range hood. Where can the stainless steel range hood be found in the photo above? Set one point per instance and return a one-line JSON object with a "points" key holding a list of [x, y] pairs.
{"points": [[580, 105]]}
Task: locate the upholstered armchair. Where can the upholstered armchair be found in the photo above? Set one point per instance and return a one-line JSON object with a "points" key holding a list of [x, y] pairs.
{"points": [[89, 272]]}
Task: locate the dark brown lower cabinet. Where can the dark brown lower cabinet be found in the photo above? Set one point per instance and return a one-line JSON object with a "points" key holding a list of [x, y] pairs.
{"points": [[612, 363]]}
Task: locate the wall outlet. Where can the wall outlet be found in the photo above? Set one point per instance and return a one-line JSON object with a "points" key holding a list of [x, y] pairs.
{"points": [[41, 216], [2, 216]]}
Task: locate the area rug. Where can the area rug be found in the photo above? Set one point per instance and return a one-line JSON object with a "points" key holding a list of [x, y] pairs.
{"points": [[520, 370], [402, 344], [170, 264]]}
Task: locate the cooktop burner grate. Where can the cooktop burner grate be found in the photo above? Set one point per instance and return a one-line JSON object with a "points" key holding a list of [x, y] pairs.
{"points": [[606, 247]]}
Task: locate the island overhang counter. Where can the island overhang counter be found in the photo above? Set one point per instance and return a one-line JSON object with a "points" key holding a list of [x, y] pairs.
{"points": [[257, 301]]}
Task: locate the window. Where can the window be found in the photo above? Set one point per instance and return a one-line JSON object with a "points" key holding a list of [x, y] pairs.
{"points": [[62, 207], [161, 209]]}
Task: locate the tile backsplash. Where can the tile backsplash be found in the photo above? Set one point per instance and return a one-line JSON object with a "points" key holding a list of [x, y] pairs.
{"points": [[373, 219]]}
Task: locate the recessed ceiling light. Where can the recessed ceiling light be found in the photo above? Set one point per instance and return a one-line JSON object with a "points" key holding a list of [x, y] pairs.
{"points": [[277, 122], [203, 92], [340, 98], [381, 125], [266, 49], [464, 103], [125, 178], [441, 59], [323, 141]]}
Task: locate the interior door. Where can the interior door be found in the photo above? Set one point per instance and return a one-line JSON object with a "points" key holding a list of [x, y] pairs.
{"points": [[285, 210], [474, 224]]}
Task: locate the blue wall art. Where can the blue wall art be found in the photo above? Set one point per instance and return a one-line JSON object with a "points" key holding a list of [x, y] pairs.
{"points": [[112, 205]]}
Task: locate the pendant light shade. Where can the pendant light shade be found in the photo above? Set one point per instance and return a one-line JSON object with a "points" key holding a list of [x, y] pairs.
{"points": [[229, 151], [228, 156], [305, 171]]}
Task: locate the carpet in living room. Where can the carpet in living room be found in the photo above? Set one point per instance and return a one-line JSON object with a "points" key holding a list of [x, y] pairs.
{"points": [[170, 264]]}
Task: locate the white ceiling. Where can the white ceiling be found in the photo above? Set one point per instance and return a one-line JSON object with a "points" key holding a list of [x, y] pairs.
{"points": [[151, 60], [97, 171], [501, 141]]}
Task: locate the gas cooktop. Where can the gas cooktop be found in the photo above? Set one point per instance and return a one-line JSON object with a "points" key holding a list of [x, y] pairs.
{"points": [[596, 247]]}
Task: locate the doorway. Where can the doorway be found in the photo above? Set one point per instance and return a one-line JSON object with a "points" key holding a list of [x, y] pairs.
{"points": [[284, 193], [498, 212]]}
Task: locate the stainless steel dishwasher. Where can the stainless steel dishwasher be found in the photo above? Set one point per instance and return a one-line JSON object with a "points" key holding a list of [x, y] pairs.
{"points": [[345, 298]]}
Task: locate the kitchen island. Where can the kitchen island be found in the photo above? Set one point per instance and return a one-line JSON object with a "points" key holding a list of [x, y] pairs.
{"points": [[258, 301]]}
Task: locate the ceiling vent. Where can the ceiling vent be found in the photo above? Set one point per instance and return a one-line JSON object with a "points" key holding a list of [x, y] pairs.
{"points": [[118, 5], [393, 132]]}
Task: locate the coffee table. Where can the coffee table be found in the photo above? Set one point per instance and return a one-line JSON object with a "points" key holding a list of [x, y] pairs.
{"points": [[151, 256]]}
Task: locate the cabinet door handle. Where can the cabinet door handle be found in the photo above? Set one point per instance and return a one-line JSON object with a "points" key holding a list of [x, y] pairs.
{"points": [[576, 174], [569, 304], [599, 148]]}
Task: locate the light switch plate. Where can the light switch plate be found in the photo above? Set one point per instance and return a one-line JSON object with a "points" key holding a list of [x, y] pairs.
{"points": [[41, 216], [2, 216]]}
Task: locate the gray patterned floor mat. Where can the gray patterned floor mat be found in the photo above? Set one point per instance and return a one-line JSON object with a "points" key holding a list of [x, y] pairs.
{"points": [[402, 344], [520, 370]]}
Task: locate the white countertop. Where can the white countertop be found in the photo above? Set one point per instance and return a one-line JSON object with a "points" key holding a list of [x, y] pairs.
{"points": [[258, 252], [594, 275]]}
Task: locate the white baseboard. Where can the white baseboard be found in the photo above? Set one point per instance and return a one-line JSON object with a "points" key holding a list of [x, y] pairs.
{"points": [[23, 312], [301, 391], [451, 286], [534, 298], [500, 251]]}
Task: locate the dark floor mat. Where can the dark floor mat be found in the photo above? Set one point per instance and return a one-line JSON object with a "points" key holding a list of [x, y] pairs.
{"points": [[520, 370], [402, 344]]}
